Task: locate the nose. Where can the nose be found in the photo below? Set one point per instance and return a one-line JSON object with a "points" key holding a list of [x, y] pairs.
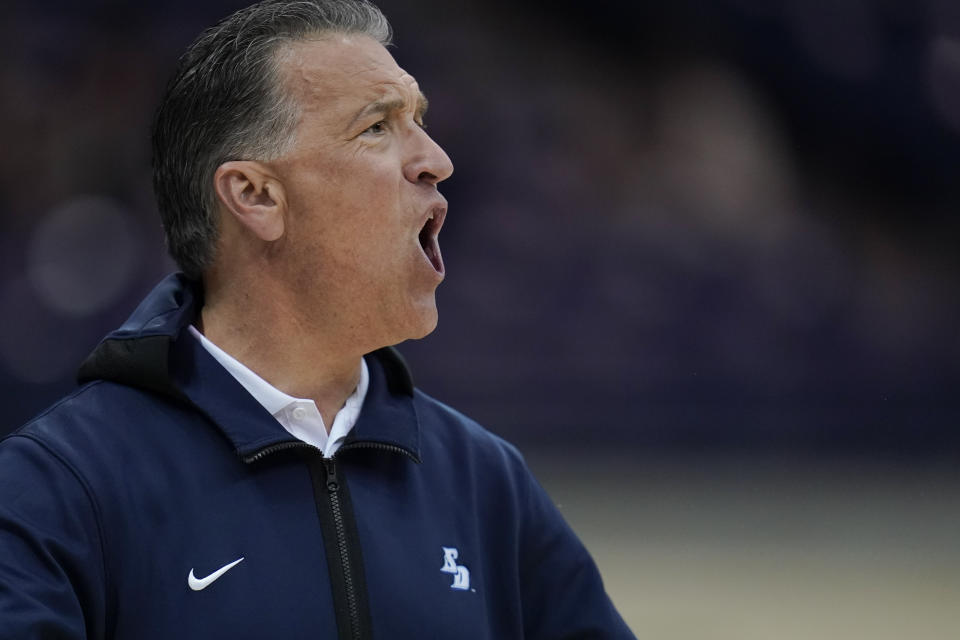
{"points": [[427, 162]]}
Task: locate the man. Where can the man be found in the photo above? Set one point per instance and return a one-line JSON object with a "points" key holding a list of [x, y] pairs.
{"points": [[248, 457]]}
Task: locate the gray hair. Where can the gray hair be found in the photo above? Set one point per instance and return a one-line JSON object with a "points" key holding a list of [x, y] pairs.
{"points": [[226, 101]]}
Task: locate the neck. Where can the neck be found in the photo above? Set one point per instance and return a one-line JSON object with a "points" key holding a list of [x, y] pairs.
{"points": [[305, 358]]}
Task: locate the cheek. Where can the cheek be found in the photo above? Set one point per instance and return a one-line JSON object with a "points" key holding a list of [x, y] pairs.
{"points": [[353, 211]]}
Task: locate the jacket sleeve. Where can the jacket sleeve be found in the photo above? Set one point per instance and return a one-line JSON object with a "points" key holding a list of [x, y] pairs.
{"points": [[51, 560], [562, 591]]}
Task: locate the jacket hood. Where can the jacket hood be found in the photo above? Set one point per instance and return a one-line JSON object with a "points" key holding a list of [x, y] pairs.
{"points": [[137, 353], [151, 351]]}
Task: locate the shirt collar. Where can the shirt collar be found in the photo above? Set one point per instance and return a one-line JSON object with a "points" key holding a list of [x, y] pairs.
{"points": [[388, 415], [280, 404]]}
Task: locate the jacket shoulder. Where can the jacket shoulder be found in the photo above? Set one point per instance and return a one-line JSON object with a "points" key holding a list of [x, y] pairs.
{"points": [[61, 413], [98, 404], [102, 422]]}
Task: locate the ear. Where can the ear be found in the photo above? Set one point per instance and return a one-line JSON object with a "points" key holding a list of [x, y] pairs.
{"points": [[253, 196]]}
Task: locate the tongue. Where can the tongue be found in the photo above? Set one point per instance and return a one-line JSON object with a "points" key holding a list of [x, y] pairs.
{"points": [[432, 250]]}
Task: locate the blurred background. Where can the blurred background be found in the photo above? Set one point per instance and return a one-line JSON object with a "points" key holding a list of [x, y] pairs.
{"points": [[702, 268]]}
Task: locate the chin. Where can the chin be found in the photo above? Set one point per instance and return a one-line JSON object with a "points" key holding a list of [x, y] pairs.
{"points": [[426, 326], [423, 321]]}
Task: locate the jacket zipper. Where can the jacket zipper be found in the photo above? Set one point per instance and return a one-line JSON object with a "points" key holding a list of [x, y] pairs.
{"points": [[351, 445], [333, 490], [342, 541], [379, 445], [277, 447]]}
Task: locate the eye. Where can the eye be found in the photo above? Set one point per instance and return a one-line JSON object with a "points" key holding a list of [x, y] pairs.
{"points": [[377, 128]]}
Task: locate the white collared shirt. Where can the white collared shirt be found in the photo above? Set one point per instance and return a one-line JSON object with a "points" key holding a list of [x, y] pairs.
{"points": [[299, 416]]}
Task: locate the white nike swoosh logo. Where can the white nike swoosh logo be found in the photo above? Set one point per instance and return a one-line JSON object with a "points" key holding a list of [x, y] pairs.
{"points": [[199, 584]]}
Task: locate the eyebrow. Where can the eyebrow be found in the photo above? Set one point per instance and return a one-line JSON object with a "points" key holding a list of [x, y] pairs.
{"points": [[391, 105]]}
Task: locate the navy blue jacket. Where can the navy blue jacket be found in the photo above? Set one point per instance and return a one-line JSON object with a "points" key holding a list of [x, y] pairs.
{"points": [[120, 503]]}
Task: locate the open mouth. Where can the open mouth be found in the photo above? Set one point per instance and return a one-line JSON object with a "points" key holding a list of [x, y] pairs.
{"points": [[428, 238]]}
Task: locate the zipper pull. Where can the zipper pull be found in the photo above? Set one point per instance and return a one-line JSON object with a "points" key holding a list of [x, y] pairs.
{"points": [[332, 484]]}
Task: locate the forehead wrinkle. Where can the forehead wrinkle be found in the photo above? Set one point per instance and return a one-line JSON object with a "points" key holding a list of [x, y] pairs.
{"points": [[310, 78], [339, 88]]}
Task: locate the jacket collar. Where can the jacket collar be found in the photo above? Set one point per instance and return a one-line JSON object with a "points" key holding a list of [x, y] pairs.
{"points": [[152, 350]]}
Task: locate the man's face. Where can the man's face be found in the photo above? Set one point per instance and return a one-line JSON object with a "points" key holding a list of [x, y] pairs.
{"points": [[361, 180]]}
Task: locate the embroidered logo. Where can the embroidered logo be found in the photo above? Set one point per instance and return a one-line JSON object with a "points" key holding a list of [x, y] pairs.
{"points": [[461, 575], [199, 584]]}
